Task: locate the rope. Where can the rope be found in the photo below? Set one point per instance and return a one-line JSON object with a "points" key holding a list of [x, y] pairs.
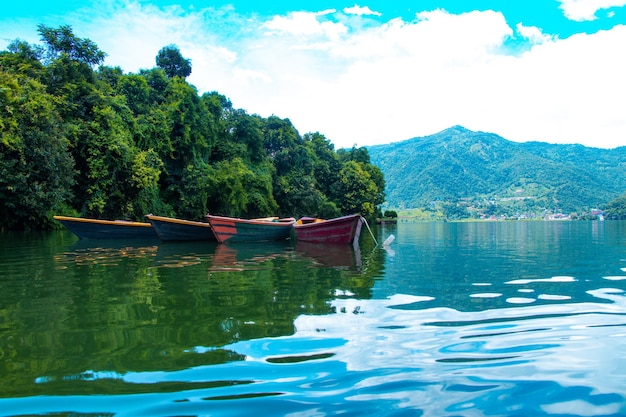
{"points": [[368, 228]]}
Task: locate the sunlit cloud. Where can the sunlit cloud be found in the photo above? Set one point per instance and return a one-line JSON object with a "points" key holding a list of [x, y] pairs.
{"points": [[360, 11], [581, 10], [304, 23], [533, 34]]}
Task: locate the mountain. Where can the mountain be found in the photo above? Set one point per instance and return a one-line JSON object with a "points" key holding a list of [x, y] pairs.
{"points": [[460, 164]]}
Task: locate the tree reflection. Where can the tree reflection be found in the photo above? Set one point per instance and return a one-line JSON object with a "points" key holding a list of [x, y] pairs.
{"points": [[119, 307]]}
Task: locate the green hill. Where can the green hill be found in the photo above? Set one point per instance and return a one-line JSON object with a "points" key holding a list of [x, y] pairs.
{"points": [[484, 171]]}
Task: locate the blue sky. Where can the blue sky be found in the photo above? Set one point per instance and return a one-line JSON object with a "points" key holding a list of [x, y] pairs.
{"points": [[371, 72]]}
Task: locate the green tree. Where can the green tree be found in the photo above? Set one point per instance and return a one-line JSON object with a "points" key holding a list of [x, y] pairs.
{"points": [[356, 188], [295, 187], [159, 84], [242, 192], [326, 163], [117, 145], [368, 192], [62, 41], [390, 214], [24, 49], [189, 142], [147, 168], [136, 91], [616, 209], [20, 59], [35, 164], [170, 60], [454, 211]]}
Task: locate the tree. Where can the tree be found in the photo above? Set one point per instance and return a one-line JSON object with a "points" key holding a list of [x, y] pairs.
{"points": [[62, 41], [187, 147], [454, 211], [356, 188], [101, 143], [32, 52], [241, 192], [135, 89], [326, 163], [172, 62], [616, 209], [36, 169]]}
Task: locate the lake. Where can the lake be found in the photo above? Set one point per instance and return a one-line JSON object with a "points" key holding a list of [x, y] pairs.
{"points": [[451, 319]]}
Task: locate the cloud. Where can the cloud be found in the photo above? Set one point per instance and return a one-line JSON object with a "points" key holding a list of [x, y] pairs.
{"points": [[581, 10], [360, 11], [362, 81], [533, 34], [304, 24]]}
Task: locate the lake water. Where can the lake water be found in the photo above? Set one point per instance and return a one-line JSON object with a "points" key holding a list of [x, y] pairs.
{"points": [[452, 319]]}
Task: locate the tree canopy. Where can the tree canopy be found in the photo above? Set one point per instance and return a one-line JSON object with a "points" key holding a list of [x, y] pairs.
{"points": [[62, 41], [616, 209], [172, 62], [81, 138]]}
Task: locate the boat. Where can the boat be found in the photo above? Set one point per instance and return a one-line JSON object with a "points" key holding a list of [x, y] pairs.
{"points": [[172, 229], [340, 230], [232, 229], [86, 228]]}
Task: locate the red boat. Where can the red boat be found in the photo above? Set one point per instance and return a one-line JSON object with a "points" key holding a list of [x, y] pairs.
{"points": [[346, 229], [232, 229]]}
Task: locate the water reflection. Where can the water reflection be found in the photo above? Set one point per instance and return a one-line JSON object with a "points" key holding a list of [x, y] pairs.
{"points": [[105, 309], [243, 255], [329, 255], [106, 252]]}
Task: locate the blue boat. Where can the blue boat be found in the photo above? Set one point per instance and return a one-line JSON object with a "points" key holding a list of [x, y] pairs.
{"points": [[172, 229], [107, 229]]}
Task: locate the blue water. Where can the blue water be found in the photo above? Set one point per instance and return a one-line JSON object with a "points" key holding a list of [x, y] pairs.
{"points": [[452, 319]]}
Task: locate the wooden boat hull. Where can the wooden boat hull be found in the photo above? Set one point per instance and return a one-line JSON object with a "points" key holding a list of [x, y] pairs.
{"points": [[171, 229], [107, 229], [229, 229], [341, 230]]}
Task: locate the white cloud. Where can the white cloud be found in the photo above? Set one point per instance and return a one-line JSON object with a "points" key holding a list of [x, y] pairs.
{"points": [[248, 77], [360, 11], [581, 10], [533, 34], [381, 82], [304, 24]]}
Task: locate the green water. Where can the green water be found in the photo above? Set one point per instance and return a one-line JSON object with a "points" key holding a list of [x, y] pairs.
{"points": [[69, 306], [512, 319]]}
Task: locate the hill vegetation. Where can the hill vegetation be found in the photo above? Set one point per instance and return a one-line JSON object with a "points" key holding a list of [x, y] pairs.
{"points": [[458, 173], [80, 138]]}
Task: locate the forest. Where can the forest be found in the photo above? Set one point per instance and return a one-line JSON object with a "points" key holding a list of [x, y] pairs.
{"points": [[80, 138], [462, 174]]}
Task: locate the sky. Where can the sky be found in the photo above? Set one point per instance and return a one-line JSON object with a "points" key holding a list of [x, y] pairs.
{"points": [[377, 71]]}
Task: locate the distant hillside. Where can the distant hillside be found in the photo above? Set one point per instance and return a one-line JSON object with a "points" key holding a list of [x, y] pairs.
{"points": [[483, 168]]}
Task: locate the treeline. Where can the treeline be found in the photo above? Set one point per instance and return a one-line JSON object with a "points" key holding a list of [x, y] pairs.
{"points": [[81, 138]]}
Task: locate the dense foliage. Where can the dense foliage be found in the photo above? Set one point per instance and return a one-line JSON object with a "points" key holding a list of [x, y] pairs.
{"points": [[616, 209], [78, 139], [462, 173]]}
